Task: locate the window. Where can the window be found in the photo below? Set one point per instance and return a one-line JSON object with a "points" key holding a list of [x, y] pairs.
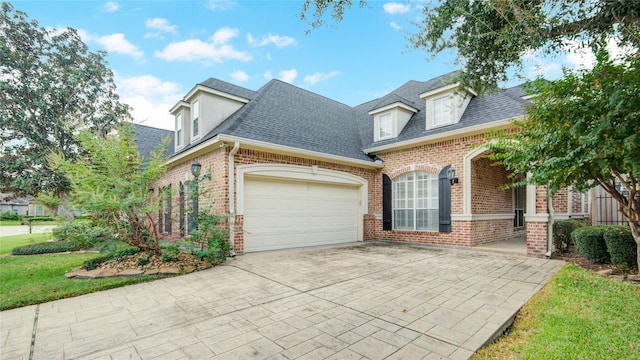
{"points": [[167, 209], [191, 196], [442, 111], [182, 209], [178, 130], [386, 126], [518, 205], [415, 201], [195, 113]]}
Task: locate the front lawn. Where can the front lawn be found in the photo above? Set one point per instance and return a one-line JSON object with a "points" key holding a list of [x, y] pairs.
{"points": [[577, 315], [7, 243], [34, 279]]}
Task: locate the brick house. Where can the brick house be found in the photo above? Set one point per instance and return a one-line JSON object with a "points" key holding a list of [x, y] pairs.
{"points": [[293, 168]]}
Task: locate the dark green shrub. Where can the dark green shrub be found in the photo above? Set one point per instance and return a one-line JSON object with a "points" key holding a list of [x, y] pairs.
{"points": [[562, 230], [621, 246], [46, 248], [8, 215], [589, 242], [83, 233], [93, 263], [38, 218]]}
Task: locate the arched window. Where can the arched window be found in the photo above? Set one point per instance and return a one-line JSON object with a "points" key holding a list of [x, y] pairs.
{"points": [[415, 201]]}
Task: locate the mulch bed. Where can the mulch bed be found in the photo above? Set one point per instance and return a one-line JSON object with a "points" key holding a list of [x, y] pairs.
{"points": [[574, 257]]}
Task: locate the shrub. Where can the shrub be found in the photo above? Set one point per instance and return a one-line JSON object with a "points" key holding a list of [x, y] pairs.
{"points": [[38, 218], [589, 242], [562, 230], [621, 246], [8, 215], [83, 233], [46, 248]]}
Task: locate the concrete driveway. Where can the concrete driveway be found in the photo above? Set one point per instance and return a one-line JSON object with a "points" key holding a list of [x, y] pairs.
{"points": [[364, 301], [24, 229]]}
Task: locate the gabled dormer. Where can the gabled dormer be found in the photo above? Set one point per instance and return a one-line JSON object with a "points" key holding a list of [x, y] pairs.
{"points": [[391, 117], [445, 106], [205, 107]]}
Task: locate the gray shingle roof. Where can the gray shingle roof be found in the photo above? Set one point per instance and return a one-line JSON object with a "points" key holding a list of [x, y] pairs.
{"points": [[228, 88], [283, 114], [148, 138]]}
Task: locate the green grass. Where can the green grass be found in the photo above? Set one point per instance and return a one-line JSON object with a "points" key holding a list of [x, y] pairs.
{"points": [[577, 315], [7, 243], [34, 279]]}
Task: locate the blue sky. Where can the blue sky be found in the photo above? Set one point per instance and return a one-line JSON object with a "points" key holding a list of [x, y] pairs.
{"points": [[159, 50]]}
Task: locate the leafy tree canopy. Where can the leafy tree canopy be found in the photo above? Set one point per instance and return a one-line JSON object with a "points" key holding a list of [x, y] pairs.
{"points": [[492, 36], [51, 87]]}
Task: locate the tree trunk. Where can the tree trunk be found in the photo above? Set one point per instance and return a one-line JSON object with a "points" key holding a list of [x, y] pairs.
{"points": [[66, 210]]}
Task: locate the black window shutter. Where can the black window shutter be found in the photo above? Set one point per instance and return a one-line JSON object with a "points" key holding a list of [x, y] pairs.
{"points": [[181, 201], [386, 203], [444, 200]]}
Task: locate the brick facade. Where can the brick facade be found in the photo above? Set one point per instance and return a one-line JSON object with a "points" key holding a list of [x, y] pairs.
{"points": [[488, 198]]}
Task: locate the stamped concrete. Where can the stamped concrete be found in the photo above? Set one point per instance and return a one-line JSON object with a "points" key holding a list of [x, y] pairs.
{"points": [[364, 301]]}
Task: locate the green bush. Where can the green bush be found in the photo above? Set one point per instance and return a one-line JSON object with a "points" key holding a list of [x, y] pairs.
{"points": [[83, 233], [621, 246], [8, 215], [45, 248], [562, 230], [95, 262], [589, 242], [38, 218]]}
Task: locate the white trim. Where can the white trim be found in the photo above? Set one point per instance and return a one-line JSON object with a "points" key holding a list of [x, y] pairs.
{"points": [[443, 135], [439, 90], [209, 90], [298, 172], [393, 106], [178, 105], [536, 218], [466, 177], [479, 217]]}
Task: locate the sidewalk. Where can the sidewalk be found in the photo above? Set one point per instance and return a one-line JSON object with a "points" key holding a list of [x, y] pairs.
{"points": [[24, 229]]}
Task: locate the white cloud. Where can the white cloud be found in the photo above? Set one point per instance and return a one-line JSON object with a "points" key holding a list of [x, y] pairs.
{"points": [[396, 8], [277, 40], [111, 6], [581, 57], [220, 4], [395, 26], [288, 76], [317, 77], [223, 35], [150, 98], [196, 49], [239, 76], [116, 43], [161, 24]]}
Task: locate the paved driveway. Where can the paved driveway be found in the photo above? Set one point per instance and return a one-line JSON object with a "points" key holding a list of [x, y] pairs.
{"points": [[364, 301], [24, 229]]}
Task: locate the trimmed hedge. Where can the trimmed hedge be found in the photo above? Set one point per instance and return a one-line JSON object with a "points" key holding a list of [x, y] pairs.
{"points": [[589, 242], [46, 248], [621, 246], [562, 230]]}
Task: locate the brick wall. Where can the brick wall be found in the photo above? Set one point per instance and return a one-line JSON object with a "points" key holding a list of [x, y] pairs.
{"points": [[487, 197], [536, 239]]}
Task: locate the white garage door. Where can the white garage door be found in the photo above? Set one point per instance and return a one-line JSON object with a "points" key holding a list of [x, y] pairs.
{"points": [[282, 214]]}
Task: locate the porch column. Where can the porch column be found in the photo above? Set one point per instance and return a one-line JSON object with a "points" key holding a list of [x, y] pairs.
{"points": [[537, 221]]}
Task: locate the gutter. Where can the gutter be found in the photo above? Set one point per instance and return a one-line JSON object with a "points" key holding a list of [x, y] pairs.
{"points": [[232, 197]]}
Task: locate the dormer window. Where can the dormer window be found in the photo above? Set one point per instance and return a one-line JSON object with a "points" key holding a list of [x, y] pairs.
{"points": [[178, 130], [442, 110], [386, 126], [445, 105], [195, 115]]}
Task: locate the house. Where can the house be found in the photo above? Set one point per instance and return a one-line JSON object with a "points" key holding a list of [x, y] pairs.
{"points": [[293, 168], [19, 206]]}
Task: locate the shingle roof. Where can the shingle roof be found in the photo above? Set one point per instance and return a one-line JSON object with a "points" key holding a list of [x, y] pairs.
{"points": [[148, 138], [283, 114], [228, 88]]}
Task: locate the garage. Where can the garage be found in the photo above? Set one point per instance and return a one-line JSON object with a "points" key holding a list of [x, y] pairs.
{"points": [[285, 213]]}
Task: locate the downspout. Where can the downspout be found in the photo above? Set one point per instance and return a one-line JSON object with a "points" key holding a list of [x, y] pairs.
{"points": [[232, 197], [550, 222]]}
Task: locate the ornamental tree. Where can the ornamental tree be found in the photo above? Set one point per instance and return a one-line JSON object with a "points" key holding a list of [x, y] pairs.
{"points": [[51, 88], [581, 131], [112, 183]]}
